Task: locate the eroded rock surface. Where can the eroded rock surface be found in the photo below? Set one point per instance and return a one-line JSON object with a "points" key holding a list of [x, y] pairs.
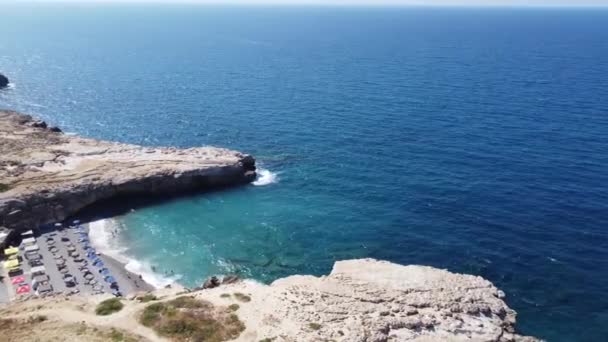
{"points": [[46, 176], [373, 301]]}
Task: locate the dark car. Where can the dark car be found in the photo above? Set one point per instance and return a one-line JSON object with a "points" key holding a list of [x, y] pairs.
{"points": [[69, 280]]}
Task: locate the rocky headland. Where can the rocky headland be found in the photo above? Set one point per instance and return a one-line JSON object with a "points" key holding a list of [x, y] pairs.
{"points": [[360, 301], [47, 176]]}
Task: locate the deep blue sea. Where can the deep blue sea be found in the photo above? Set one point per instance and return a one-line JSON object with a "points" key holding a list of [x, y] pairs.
{"points": [[469, 139]]}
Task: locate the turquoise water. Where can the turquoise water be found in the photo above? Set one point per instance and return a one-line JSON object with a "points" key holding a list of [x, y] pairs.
{"points": [[474, 140]]}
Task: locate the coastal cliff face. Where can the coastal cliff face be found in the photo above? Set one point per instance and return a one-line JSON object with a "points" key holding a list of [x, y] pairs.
{"points": [[46, 176], [369, 300], [360, 301]]}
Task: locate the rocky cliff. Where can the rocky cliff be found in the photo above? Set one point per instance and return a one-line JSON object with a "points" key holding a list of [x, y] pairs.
{"points": [[47, 176], [360, 301], [375, 301]]}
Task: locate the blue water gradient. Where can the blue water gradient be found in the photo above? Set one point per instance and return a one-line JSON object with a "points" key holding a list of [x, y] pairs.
{"points": [[474, 140]]}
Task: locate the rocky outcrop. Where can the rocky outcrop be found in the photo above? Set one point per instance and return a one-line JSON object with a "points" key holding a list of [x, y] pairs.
{"points": [[47, 176], [3, 81], [360, 301], [372, 301]]}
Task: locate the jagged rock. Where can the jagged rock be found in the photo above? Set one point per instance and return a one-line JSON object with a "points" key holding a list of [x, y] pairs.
{"points": [[50, 176], [38, 124], [230, 279], [3, 81], [55, 129], [211, 283], [370, 300]]}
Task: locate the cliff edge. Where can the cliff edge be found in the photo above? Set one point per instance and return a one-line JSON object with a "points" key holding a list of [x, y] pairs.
{"points": [[46, 176], [362, 300]]}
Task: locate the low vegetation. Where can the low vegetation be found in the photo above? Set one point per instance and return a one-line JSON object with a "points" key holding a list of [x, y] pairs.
{"points": [[39, 328], [119, 336], [242, 297], [225, 295], [4, 187], [147, 298], [314, 326], [233, 307], [37, 319], [108, 307], [189, 319]]}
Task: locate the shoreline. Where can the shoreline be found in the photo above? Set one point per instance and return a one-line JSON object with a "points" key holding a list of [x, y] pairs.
{"points": [[135, 281], [48, 176], [104, 237]]}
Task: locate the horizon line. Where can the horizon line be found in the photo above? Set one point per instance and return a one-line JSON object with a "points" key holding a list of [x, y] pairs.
{"points": [[279, 3]]}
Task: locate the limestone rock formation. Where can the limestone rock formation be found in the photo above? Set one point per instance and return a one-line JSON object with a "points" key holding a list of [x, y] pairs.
{"points": [[3, 81], [47, 176], [360, 301], [374, 301]]}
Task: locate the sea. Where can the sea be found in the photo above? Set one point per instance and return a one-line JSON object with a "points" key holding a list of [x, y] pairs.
{"points": [[469, 139]]}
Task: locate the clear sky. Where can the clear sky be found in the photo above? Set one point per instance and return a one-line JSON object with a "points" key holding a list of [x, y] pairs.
{"points": [[367, 2]]}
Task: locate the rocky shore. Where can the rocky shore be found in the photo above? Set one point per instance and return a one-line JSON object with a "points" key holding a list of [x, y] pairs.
{"points": [[47, 176], [361, 300]]}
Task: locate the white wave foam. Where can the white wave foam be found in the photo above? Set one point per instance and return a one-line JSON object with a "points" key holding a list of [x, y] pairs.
{"points": [[104, 237], [149, 276], [265, 177]]}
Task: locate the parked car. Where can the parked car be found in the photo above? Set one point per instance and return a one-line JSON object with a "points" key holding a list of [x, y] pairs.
{"points": [[69, 280]]}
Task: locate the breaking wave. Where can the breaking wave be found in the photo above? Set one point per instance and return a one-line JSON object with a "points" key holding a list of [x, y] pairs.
{"points": [[104, 235], [265, 177]]}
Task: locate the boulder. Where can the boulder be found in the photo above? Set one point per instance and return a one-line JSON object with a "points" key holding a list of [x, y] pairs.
{"points": [[211, 283], [3, 81], [230, 279]]}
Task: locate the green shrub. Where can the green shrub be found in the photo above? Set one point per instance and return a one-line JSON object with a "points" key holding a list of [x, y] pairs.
{"points": [[186, 302], [314, 326], [109, 306], [233, 307], [151, 314], [242, 297], [147, 298], [37, 319], [188, 319], [225, 295], [4, 187]]}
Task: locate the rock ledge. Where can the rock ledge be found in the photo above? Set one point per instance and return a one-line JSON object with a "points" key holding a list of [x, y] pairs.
{"points": [[367, 300], [46, 176]]}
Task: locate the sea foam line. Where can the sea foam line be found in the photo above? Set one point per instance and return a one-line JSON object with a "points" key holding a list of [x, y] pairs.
{"points": [[104, 237]]}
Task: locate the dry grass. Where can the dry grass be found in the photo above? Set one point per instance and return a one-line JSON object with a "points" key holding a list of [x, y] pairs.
{"points": [[188, 319], [36, 329], [147, 298]]}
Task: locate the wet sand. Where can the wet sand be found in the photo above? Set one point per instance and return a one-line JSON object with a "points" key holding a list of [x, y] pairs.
{"points": [[131, 282]]}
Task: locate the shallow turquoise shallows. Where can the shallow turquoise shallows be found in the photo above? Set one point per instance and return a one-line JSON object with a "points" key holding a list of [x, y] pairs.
{"points": [[469, 139]]}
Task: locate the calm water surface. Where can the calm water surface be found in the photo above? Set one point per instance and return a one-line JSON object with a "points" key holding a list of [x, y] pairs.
{"points": [[473, 140]]}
